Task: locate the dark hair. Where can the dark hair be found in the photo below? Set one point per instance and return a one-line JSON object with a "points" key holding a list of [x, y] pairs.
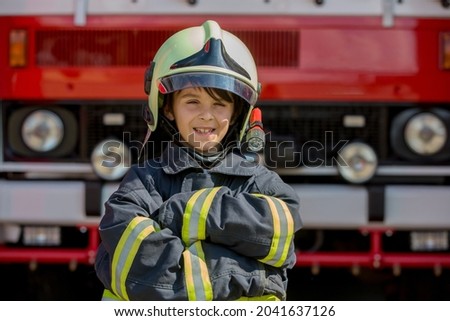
{"points": [[218, 94]]}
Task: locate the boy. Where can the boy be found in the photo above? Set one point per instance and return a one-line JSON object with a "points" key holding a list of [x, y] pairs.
{"points": [[204, 221]]}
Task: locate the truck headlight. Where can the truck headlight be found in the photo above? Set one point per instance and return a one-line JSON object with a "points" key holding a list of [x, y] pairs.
{"points": [[110, 159], [425, 133], [421, 135], [42, 131], [358, 162]]}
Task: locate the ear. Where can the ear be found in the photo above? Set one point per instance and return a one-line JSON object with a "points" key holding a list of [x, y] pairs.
{"points": [[168, 113]]}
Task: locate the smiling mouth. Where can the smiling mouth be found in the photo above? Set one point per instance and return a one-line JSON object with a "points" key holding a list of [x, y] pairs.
{"points": [[204, 131]]}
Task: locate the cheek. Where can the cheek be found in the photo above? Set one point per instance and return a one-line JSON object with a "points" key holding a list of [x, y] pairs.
{"points": [[226, 116], [229, 119], [182, 121], [180, 116]]}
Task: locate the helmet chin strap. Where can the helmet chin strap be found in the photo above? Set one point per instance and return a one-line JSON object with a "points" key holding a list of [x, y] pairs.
{"points": [[150, 121]]}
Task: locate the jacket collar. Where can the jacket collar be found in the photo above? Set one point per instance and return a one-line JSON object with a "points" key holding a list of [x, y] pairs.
{"points": [[176, 159]]}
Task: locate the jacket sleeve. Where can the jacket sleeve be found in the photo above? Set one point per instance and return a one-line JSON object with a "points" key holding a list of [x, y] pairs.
{"points": [[260, 223], [129, 257]]}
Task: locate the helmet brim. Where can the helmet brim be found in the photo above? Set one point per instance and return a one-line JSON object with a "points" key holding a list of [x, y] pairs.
{"points": [[181, 81]]}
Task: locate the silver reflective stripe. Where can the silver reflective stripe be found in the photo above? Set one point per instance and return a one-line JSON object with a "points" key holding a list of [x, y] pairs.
{"points": [[195, 214], [198, 284]]}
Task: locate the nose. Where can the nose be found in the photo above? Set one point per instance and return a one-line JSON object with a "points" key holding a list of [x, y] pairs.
{"points": [[206, 113]]}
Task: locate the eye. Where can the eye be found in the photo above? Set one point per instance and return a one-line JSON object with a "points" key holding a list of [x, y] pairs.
{"points": [[220, 104], [192, 101]]}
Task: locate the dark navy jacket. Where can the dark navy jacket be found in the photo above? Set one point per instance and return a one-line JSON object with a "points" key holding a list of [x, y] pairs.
{"points": [[239, 213]]}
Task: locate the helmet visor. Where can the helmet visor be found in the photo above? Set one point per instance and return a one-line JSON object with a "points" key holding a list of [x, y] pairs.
{"points": [[181, 81]]}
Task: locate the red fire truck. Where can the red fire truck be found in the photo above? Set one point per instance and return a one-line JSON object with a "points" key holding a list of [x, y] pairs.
{"points": [[355, 100]]}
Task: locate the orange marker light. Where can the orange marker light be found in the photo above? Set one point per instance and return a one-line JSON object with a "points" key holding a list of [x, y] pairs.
{"points": [[445, 50], [18, 48]]}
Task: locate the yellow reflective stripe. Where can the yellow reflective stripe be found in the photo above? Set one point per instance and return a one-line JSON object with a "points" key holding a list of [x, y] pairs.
{"points": [[185, 235], [189, 276], [289, 234], [195, 214], [109, 296], [283, 226], [276, 231], [118, 252], [266, 297], [204, 213], [131, 255], [207, 287], [137, 230], [198, 284]]}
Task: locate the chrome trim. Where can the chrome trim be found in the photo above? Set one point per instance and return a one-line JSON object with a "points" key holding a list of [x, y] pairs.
{"points": [[418, 206], [345, 205], [43, 202], [382, 171], [417, 8], [388, 13], [79, 16], [47, 167], [307, 171], [413, 170]]}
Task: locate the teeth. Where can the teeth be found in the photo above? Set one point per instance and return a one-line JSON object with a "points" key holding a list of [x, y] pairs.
{"points": [[203, 131]]}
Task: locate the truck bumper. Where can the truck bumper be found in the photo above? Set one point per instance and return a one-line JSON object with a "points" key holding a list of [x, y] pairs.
{"points": [[49, 202], [405, 207], [52, 204], [404, 210]]}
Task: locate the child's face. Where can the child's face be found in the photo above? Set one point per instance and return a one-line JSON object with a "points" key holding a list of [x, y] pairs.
{"points": [[201, 120]]}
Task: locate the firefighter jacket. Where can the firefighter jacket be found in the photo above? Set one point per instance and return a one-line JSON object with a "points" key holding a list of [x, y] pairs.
{"points": [[176, 231]]}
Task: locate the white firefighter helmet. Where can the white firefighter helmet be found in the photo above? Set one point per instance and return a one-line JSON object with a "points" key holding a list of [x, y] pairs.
{"points": [[202, 56]]}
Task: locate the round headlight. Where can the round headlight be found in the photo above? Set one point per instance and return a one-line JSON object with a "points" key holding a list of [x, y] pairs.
{"points": [[425, 134], [359, 162], [42, 131], [111, 159]]}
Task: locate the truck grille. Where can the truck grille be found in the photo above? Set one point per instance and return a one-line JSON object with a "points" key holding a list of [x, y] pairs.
{"points": [[321, 127], [136, 48], [132, 132]]}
